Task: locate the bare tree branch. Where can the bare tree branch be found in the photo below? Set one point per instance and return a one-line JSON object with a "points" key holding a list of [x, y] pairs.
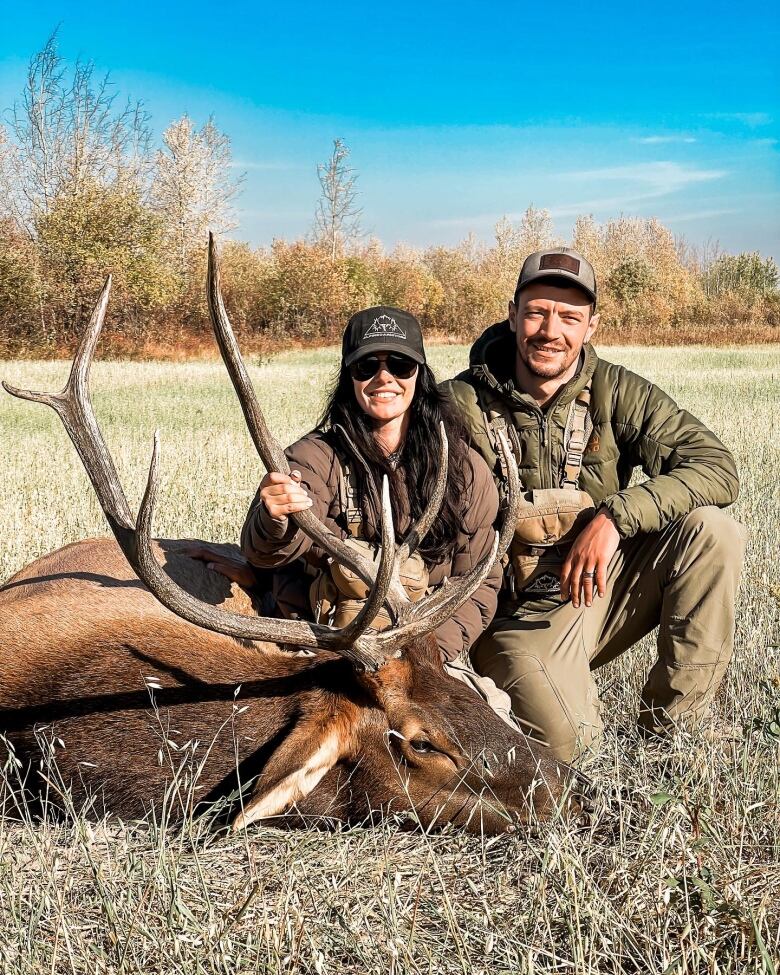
{"points": [[337, 218], [194, 186], [67, 133]]}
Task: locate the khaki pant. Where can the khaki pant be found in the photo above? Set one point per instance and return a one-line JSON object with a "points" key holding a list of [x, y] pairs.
{"points": [[683, 579], [484, 687]]}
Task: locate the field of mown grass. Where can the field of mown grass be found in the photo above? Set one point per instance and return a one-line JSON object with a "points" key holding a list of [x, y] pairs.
{"points": [[679, 872]]}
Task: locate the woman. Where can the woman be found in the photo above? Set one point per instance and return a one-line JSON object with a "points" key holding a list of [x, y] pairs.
{"points": [[382, 418]]}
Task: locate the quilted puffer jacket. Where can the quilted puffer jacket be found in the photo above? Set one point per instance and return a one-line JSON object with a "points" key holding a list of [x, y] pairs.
{"points": [[635, 424]]}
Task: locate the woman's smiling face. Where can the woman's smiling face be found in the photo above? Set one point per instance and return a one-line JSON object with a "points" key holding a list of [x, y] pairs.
{"points": [[385, 397]]}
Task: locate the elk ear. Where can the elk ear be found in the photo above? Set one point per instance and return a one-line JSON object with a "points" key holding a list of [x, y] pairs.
{"points": [[294, 769]]}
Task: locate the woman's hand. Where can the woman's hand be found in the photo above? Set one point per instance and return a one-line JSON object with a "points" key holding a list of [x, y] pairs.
{"points": [[233, 567], [283, 495]]}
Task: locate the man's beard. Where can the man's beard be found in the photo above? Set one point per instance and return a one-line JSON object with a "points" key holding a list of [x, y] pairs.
{"points": [[546, 370]]}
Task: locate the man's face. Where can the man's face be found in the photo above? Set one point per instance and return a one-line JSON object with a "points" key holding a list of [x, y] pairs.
{"points": [[551, 324]]}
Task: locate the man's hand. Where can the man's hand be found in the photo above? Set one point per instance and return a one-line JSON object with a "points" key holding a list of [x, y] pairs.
{"points": [[585, 568], [282, 495]]}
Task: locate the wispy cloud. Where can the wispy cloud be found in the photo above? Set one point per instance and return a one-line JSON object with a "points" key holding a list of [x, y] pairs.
{"points": [[471, 221], [644, 183], [658, 140], [605, 205], [751, 119], [659, 178], [697, 215]]}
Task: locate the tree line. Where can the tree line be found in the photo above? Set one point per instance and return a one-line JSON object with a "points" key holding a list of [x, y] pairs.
{"points": [[84, 192]]}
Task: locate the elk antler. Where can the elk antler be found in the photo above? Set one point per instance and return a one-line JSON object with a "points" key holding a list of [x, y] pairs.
{"points": [[420, 528], [432, 610], [268, 448], [74, 407]]}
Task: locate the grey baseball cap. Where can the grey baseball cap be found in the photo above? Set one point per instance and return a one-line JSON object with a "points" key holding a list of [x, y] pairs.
{"points": [[561, 263]]}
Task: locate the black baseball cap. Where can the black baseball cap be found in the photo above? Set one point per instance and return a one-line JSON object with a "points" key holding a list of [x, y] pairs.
{"points": [[382, 329], [563, 264]]}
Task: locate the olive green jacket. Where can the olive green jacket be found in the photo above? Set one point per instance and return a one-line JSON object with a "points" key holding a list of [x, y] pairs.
{"points": [[635, 424]]}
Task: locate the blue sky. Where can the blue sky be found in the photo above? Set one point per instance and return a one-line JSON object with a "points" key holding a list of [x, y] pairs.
{"points": [[458, 113]]}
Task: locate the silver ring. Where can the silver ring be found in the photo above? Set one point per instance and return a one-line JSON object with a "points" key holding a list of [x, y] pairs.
{"points": [[589, 575]]}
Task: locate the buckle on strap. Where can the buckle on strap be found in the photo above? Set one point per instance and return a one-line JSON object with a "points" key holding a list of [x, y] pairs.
{"points": [[579, 426]]}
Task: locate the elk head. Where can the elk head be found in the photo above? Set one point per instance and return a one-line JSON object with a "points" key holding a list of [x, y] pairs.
{"points": [[447, 756]]}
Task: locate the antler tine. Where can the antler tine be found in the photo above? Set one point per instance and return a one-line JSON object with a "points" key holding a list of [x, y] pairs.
{"points": [[423, 525], [183, 604], [265, 443], [431, 611], [74, 407], [268, 448], [452, 594], [354, 630]]}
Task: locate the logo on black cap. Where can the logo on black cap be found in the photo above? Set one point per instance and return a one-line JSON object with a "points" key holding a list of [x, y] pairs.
{"points": [[383, 327]]}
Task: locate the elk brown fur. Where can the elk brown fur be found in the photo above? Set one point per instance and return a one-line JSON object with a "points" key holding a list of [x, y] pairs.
{"points": [[91, 663]]}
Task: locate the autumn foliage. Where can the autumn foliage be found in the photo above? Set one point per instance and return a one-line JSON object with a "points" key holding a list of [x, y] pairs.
{"points": [[83, 194]]}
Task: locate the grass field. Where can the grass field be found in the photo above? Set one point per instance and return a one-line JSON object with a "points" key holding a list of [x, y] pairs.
{"points": [[680, 872]]}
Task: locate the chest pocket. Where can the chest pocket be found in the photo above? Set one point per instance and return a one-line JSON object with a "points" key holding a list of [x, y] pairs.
{"points": [[336, 593], [549, 520]]}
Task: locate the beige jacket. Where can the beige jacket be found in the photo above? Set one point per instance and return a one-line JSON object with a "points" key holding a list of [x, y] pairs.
{"points": [[271, 544]]}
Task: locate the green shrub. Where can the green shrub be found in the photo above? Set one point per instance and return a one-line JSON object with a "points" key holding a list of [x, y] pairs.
{"points": [[747, 274]]}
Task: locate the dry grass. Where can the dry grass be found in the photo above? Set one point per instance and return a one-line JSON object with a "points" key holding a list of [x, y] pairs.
{"points": [[679, 873]]}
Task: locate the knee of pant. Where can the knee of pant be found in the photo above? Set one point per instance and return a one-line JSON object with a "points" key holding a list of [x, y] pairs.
{"points": [[506, 669], [521, 667], [723, 534]]}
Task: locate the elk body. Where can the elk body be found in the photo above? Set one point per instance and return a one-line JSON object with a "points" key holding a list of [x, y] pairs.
{"points": [[135, 678]]}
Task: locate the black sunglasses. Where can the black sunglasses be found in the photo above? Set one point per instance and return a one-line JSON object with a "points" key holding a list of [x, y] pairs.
{"points": [[400, 366]]}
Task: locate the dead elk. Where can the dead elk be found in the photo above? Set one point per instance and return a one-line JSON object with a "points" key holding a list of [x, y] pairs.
{"points": [[150, 680]]}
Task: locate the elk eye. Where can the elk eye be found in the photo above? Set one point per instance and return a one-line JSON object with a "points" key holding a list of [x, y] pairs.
{"points": [[421, 746]]}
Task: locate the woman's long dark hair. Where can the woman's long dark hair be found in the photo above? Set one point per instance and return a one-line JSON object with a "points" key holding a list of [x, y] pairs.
{"points": [[416, 466]]}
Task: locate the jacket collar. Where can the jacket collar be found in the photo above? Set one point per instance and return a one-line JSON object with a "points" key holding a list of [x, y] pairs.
{"points": [[491, 362]]}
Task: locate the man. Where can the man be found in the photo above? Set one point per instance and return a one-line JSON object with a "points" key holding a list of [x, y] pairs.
{"points": [[655, 553]]}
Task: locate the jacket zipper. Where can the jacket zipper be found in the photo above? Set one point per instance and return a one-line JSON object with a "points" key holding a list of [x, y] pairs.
{"points": [[544, 460]]}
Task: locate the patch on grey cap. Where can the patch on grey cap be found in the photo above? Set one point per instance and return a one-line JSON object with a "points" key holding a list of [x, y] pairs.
{"points": [[559, 262], [563, 263]]}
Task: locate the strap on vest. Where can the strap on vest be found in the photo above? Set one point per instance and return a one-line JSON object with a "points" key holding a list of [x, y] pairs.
{"points": [[579, 427], [575, 438], [495, 423], [348, 489], [348, 500]]}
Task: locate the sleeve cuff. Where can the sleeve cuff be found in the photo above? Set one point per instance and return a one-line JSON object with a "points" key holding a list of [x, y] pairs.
{"points": [[275, 530], [618, 509]]}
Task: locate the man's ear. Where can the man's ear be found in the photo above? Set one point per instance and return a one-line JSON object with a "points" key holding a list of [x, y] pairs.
{"points": [[593, 324], [512, 317]]}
